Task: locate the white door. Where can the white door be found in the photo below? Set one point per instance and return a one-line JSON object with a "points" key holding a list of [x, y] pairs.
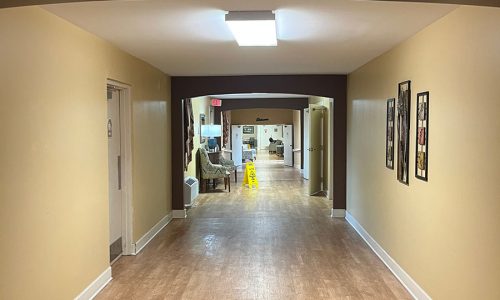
{"points": [[265, 132], [114, 174], [236, 144], [315, 148], [288, 145], [305, 173]]}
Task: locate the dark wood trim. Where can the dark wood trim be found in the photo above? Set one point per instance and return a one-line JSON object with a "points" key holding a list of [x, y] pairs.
{"points": [[284, 103], [280, 103], [332, 86]]}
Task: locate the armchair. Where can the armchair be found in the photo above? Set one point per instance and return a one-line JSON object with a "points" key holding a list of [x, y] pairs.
{"points": [[228, 164], [211, 171], [273, 144]]}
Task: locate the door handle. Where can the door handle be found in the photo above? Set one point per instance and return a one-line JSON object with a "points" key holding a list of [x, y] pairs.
{"points": [[119, 172]]}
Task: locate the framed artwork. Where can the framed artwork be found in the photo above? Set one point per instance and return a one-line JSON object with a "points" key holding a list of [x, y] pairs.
{"points": [[389, 135], [202, 122], [403, 107], [248, 129], [226, 125], [422, 137]]}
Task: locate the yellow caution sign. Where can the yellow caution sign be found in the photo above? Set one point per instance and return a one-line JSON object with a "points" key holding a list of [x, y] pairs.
{"points": [[250, 176]]}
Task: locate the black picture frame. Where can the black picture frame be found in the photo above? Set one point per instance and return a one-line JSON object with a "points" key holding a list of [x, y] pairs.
{"points": [[403, 106], [389, 134], [248, 129], [422, 137]]}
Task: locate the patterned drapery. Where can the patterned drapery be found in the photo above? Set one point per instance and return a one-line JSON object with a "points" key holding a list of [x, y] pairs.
{"points": [[188, 132], [225, 127]]}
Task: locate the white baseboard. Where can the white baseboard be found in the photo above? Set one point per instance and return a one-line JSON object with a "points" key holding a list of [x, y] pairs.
{"points": [[413, 288], [145, 239], [96, 286], [338, 213], [179, 214]]}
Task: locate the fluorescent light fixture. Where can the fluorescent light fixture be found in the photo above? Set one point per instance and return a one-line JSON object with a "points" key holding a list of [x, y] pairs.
{"points": [[253, 28]]}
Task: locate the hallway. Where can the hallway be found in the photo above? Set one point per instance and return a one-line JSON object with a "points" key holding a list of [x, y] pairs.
{"points": [[271, 243]]}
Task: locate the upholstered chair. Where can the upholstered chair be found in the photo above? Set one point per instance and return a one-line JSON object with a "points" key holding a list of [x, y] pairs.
{"points": [[229, 165], [272, 145], [209, 170]]}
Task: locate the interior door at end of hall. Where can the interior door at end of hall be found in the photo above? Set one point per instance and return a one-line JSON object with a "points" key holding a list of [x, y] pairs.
{"points": [[236, 144], [315, 148], [114, 173], [305, 172], [288, 145]]}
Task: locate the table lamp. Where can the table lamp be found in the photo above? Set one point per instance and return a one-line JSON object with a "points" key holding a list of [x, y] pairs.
{"points": [[211, 132]]}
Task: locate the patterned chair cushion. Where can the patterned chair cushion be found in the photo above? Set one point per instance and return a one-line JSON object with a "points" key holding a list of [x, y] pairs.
{"points": [[209, 170], [227, 163]]}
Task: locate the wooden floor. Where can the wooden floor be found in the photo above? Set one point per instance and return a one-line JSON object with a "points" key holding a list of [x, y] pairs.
{"points": [[271, 243]]}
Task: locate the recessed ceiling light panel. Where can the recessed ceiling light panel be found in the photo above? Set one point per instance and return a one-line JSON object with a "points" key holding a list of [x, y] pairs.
{"points": [[253, 28]]}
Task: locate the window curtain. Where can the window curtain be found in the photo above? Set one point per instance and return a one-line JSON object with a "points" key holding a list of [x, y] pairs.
{"points": [[225, 128], [188, 132]]}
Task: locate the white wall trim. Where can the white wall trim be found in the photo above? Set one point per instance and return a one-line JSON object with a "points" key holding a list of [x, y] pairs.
{"points": [[145, 239], [413, 288], [338, 213], [96, 286], [179, 213]]}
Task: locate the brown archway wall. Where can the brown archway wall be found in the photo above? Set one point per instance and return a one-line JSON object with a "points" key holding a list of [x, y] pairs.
{"points": [[331, 86], [283, 103]]}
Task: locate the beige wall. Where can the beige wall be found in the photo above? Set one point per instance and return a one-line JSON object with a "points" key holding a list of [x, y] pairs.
{"points": [[248, 116], [327, 133], [201, 105], [296, 138], [445, 232], [53, 176]]}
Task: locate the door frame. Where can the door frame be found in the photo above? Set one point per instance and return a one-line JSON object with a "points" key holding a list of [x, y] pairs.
{"points": [[331, 141], [291, 146], [306, 145], [128, 246], [322, 148]]}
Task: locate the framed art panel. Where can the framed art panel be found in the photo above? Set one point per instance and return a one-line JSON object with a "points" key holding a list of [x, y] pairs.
{"points": [[422, 137], [248, 129], [403, 107], [389, 134]]}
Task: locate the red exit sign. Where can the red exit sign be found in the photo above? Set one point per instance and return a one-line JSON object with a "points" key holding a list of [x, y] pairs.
{"points": [[216, 102]]}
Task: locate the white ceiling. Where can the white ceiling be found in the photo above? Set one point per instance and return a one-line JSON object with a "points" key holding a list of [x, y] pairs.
{"points": [[189, 37]]}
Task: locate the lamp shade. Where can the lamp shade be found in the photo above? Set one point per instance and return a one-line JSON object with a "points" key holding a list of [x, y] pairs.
{"points": [[211, 130]]}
